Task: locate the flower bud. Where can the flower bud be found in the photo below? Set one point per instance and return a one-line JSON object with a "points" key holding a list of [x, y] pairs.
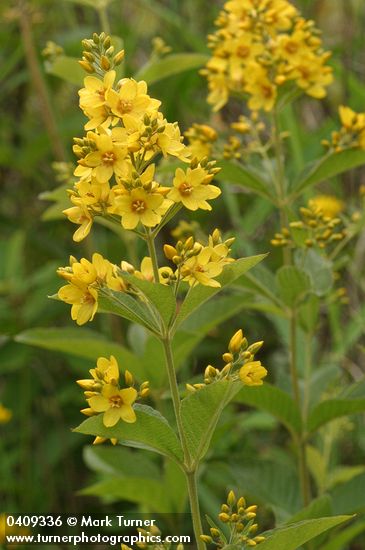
{"points": [[235, 342], [169, 251]]}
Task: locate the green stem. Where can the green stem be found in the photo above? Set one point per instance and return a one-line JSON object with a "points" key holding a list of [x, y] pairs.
{"points": [[104, 21], [194, 506], [152, 252], [300, 442], [189, 470], [46, 111]]}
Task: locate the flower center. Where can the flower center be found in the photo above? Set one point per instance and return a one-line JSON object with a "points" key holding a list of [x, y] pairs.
{"points": [[139, 206], [115, 401], [185, 188], [291, 47], [266, 91], [108, 158], [243, 51], [101, 94], [125, 106]]}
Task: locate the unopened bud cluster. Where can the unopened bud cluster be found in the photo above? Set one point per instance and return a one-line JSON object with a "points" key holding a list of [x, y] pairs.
{"points": [[241, 520], [351, 134], [239, 363], [314, 229], [99, 55]]}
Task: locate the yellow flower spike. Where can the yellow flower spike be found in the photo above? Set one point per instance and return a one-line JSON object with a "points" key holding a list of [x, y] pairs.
{"points": [[214, 532], [259, 539], [225, 518], [5, 414], [235, 342], [251, 542], [252, 373], [227, 357], [329, 205]]}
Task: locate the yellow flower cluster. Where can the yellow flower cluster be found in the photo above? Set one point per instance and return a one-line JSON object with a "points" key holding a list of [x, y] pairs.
{"points": [[201, 138], [239, 364], [84, 279], [240, 519], [352, 133], [104, 394], [197, 263], [116, 171], [318, 226], [261, 45]]}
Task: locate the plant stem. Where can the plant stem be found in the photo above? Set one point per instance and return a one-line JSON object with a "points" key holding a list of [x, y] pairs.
{"points": [[194, 506], [189, 470], [38, 82], [152, 252], [300, 442], [104, 21]]}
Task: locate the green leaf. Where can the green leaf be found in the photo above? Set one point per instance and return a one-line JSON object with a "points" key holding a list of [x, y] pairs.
{"points": [[273, 483], [80, 342], [141, 490], [349, 497], [340, 540], [331, 409], [247, 177], [199, 294], [295, 535], [327, 167], [121, 461], [319, 507], [151, 431], [293, 284], [170, 65], [67, 68], [319, 269], [200, 412], [274, 401], [121, 303], [161, 296]]}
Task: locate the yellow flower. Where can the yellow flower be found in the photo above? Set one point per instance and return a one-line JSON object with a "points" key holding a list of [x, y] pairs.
{"points": [[200, 269], [92, 100], [115, 404], [139, 206], [84, 278], [263, 93], [330, 205], [106, 160], [5, 414], [131, 100], [252, 373], [106, 370], [192, 189], [84, 302], [146, 272], [82, 217]]}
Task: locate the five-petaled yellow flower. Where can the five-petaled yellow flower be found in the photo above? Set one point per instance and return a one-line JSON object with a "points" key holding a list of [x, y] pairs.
{"points": [[116, 404], [192, 188], [252, 373]]}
